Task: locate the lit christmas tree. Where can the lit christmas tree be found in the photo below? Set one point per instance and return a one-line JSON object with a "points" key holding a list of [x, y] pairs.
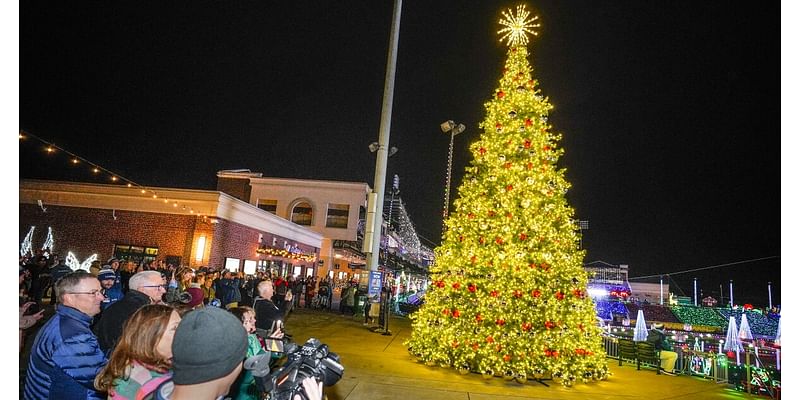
{"points": [[508, 296]]}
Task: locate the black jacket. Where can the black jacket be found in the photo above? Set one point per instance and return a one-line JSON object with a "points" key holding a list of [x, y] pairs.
{"points": [[109, 327], [267, 313]]}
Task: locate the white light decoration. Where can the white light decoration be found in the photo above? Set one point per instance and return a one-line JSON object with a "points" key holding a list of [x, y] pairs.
{"points": [[597, 292], [27, 246], [73, 263], [49, 242], [744, 329], [640, 333]]}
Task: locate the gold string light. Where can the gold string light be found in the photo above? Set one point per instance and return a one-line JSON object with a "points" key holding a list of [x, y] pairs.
{"points": [[75, 159]]}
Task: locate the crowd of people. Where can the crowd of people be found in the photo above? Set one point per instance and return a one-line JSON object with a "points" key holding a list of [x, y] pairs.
{"points": [[144, 333]]}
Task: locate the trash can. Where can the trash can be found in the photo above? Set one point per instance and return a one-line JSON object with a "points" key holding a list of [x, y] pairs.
{"points": [[361, 300]]}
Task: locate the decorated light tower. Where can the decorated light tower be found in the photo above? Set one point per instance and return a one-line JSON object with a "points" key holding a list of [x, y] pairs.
{"points": [[509, 291]]}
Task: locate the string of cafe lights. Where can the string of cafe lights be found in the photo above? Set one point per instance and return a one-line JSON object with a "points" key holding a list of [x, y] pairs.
{"points": [[51, 148]]}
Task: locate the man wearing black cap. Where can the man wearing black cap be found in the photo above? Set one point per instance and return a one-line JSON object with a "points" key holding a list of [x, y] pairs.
{"points": [[198, 373], [657, 336]]}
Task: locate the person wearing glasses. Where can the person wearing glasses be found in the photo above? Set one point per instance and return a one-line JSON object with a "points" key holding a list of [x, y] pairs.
{"points": [[146, 287], [65, 357]]}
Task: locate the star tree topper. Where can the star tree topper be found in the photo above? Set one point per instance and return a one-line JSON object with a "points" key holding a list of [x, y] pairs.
{"points": [[517, 26]]}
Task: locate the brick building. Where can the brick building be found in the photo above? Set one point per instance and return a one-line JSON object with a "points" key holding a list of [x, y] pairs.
{"points": [[179, 226]]}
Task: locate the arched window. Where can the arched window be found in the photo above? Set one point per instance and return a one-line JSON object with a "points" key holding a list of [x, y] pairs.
{"points": [[302, 213]]}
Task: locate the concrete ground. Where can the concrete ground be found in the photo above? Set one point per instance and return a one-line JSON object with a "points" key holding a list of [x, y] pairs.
{"points": [[380, 367]]}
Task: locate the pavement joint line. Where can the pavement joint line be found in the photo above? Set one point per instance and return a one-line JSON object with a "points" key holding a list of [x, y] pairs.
{"points": [[394, 336]]}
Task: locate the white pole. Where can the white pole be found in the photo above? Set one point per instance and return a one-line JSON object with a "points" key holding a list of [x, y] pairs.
{"points": [[661, 289], [383, 140], [731, 287], [769, 291], [695, 292]]}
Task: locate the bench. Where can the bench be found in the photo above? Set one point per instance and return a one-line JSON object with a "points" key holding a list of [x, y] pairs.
{"points": [[647, 354], [641, 353]]}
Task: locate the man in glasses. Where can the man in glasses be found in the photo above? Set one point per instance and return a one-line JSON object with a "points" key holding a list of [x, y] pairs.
{"points": [[65, 357], [146, 287]]}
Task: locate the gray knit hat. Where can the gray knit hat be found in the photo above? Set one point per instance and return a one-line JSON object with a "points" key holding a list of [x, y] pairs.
{"points": [[209, 343]]}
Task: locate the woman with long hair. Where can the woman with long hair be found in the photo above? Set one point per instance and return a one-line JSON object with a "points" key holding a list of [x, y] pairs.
{"points": [[143, 356]]}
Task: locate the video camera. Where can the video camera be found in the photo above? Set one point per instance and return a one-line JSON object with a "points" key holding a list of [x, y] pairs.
{"points": [[311, 360]]}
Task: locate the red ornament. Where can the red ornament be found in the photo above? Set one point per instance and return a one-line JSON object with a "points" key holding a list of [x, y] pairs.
{"points": [[528, 123], [493, 293], [457, 286], [527, 144], [523, 237], [475, 346], [509, 188], [482, 150], [548, 353], [509, 215], [578, 293], [478, 317], [580, 352], [536, 293], [498, 126], [500, 322], [555, 353], [549, 325], [560, 296], [492, 213], [446, 311], [532, 266], [507, 165], [527, 326], [546, 148], [517, 293], [507, 358], [730, 354], [455, 343], [489, 339], [456, 313], [473, 259], [498, 240], [481, 240], [501, 94], [470, 215], [545, 266], [471, 287]]}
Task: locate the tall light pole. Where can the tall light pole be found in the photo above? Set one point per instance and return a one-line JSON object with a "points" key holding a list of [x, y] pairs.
{"points": [[453, 129], [372, 234]]}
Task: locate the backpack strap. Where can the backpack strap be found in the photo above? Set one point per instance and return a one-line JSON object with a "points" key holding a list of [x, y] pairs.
{"points": [[146, 390]]}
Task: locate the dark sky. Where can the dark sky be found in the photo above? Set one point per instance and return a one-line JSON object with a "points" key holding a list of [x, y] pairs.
{"points": [[669, 109]]}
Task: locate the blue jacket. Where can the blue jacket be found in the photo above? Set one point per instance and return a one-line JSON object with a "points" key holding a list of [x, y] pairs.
{"points": [[229, 289], [65, 358], [112, 295]]}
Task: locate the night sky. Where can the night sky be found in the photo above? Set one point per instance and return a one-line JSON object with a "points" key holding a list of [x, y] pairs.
{"points": [[670, 110]]}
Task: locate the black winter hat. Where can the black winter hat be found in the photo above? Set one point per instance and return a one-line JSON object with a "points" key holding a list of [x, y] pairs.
{"points": [[209, 343]]}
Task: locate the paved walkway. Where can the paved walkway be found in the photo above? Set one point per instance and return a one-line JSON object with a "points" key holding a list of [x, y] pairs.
{"points": [[380, 367]]}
